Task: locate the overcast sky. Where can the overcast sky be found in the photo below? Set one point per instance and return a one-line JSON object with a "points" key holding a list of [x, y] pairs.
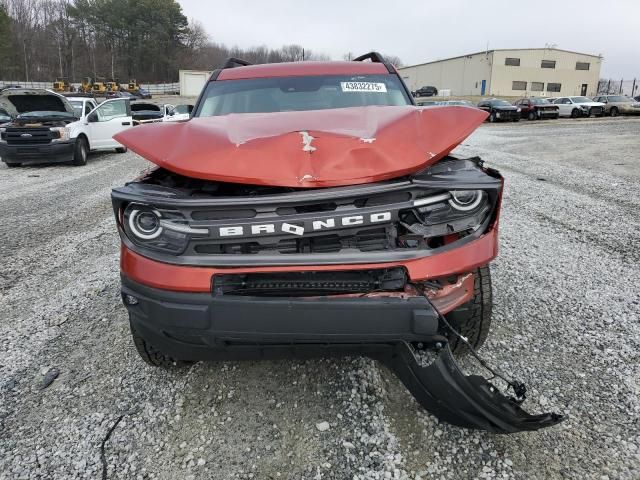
{"points": [[420, 31]]}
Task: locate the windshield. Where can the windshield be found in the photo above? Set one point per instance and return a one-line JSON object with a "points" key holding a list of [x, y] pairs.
{"points": [[540, 101], [500, 103], [619, 98], [286, 94], [581, 100], [77, 107]]}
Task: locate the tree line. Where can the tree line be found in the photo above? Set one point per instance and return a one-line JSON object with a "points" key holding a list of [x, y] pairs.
{"points": [[149, 40]]}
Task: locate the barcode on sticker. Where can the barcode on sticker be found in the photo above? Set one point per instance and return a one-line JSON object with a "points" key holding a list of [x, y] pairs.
{"points": [[363, 87]]}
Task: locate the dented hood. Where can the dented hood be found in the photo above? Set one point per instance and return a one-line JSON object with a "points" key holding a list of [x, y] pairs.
{"points": [[319, 148]]}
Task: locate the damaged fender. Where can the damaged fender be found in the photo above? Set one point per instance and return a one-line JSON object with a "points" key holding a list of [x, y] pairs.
{"points": [[468, 401]]}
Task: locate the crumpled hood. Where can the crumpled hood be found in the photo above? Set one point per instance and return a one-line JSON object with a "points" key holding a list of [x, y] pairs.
{"points": [[319, 148]]}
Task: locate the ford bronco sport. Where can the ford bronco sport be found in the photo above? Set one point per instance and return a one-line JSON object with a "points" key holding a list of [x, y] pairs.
{"points": [[313, 209]]}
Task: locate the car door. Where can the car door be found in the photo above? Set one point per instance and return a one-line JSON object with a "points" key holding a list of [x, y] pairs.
{"points": [[106, 120], [565, 106]]}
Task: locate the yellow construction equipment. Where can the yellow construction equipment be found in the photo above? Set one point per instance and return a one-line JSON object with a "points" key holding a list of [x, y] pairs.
{"points": [[61, 85], [86, 85], [112, 85], [133, 86], [99, 86]]}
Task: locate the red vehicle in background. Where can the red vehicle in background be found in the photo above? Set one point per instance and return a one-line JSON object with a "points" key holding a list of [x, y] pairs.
{"points": [[312, 209], [537, 108]]}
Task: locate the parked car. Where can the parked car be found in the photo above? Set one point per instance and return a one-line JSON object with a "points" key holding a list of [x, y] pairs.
{"points": [[615, 105], [7, 87], [120, 94], [536, 108], [82, 105], [500, 110], [256, 237], [461, 103], [148, 112], [45, 128], [142, 93], [179, 113], [575, 107], [427, 91]]}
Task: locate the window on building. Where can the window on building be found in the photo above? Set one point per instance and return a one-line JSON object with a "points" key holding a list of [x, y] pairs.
{"points": [[582, 65], [537, 86], [554, 87], [514, 62], [517, 85], [548, 64]]}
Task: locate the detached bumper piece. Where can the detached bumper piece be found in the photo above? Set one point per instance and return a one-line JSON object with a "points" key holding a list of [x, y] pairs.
{"points": [[466, 401], [232, 323]]}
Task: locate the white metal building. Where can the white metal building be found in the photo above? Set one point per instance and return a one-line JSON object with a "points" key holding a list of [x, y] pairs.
{"points": [[510, 72], [192, 82]]}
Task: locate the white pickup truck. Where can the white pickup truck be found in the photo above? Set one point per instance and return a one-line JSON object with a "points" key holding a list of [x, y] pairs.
{"points": [[45, 127]]}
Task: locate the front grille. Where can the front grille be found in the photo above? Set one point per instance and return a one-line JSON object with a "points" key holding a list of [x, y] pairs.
{"points": [[28, 136], [310, 283], [369, 240], [357, 223]]}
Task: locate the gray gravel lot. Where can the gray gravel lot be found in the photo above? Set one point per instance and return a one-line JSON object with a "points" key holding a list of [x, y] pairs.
{"points": [[566, 321]]}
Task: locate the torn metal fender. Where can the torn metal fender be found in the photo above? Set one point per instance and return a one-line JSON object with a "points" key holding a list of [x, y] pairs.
{"points": [[306, 149], [466, 401]]}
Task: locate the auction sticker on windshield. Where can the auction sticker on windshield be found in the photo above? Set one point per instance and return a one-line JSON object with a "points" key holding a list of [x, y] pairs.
{"points": [[363, 87]]}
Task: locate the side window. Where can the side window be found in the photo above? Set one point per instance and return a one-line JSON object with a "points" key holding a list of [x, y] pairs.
{"points": [[110, 110]]}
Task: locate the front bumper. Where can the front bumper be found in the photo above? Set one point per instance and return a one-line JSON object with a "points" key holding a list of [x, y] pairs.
{"points": [[45, 153], [200, 326]]}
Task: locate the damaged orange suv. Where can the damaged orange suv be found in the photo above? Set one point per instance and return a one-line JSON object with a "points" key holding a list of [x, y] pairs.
{"points": [[312, 209]]}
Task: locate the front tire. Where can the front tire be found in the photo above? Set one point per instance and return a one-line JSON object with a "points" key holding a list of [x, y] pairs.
{"points": [[575, 113], [614, 111], [473, 319], [121, 150], [151, 355], [531, 116], [81, 152], [492, 117], [13, 164]]}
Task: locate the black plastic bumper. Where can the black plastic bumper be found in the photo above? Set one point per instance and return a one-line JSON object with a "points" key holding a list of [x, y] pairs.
{"points": [[199, 326], [46, 153]]}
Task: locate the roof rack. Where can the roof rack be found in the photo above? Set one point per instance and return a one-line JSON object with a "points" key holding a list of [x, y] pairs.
{"points": [[373, 56], [233, 62]]}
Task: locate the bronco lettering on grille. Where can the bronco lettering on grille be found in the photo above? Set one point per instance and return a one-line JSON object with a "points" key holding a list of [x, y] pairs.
{"points": [[304, 226]]}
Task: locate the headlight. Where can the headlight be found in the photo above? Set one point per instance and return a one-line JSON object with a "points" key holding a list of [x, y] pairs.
{"points": [[157, 229], [455, 211], [466, 200], [519, 110], [64, 134], [2, 130]]}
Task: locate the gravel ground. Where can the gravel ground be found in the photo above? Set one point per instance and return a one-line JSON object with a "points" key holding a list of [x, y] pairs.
{"points": [[75, 397]]}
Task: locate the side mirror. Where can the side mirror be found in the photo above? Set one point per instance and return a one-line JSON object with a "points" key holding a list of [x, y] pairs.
{"points": [[92, 117]]}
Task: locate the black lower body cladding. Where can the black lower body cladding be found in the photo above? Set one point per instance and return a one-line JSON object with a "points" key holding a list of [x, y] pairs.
{"points": [[37, 153], [207, 326]]}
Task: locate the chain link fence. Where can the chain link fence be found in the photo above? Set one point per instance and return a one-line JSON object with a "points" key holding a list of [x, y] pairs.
{"points": [[620, 86]]}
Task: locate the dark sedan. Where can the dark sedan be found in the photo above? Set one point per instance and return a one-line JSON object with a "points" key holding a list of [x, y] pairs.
{"points": [[537, 108], [500, 110]]}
